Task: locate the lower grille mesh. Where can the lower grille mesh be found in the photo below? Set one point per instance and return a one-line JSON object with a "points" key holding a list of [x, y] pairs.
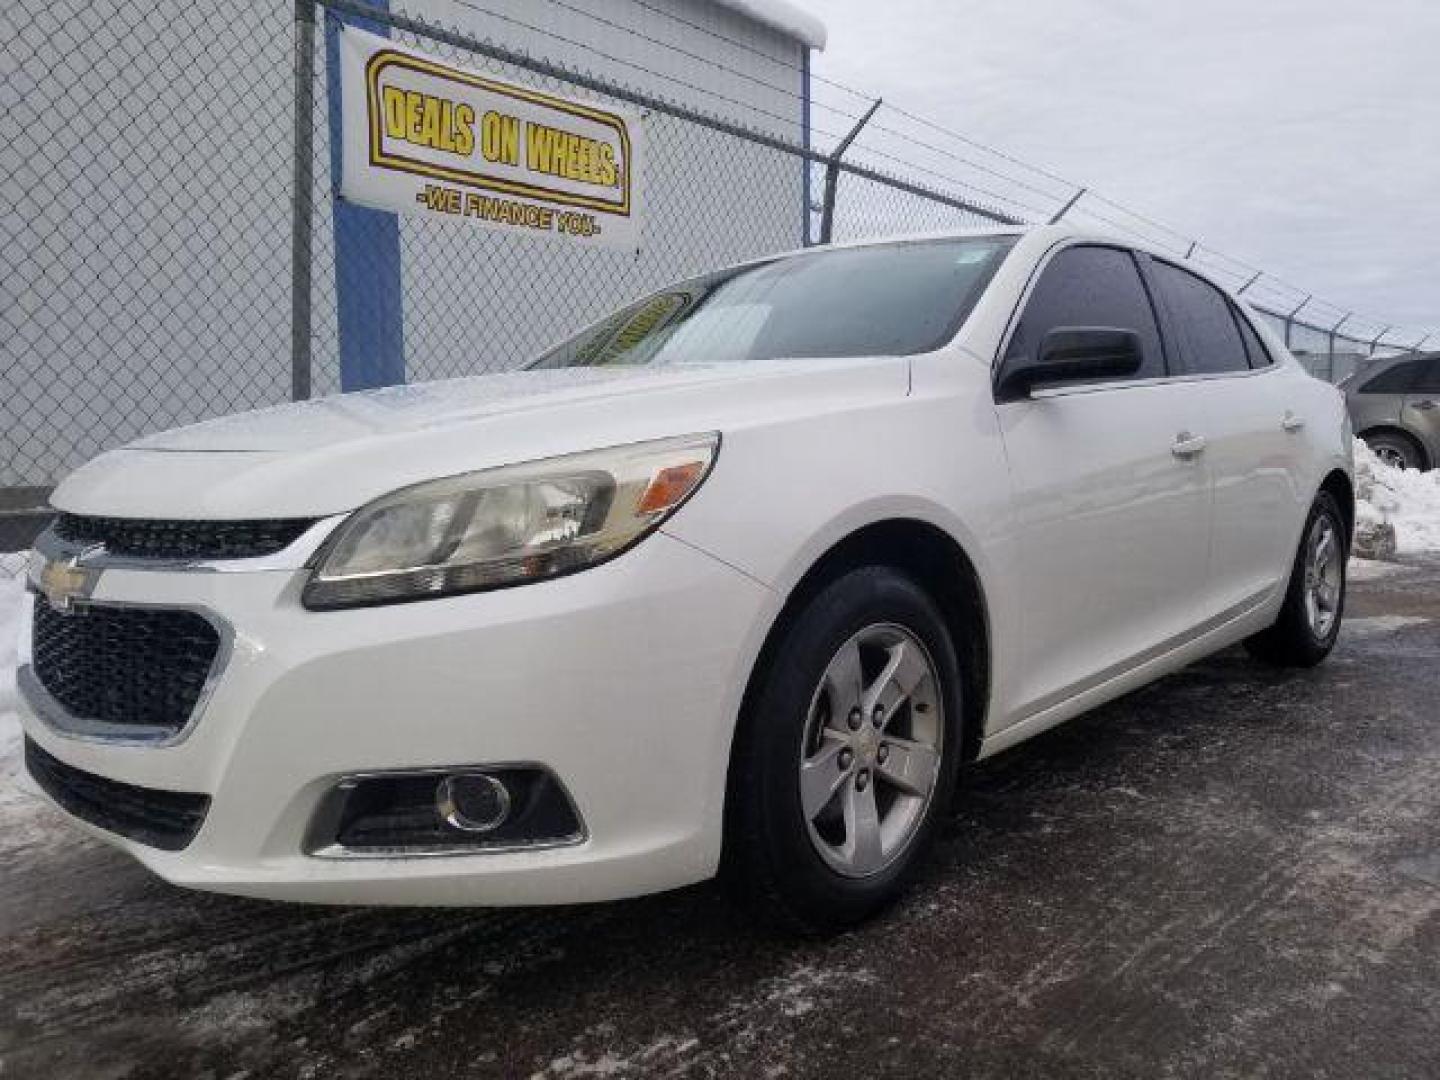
{"points": [[135, 668], [167, 820]]}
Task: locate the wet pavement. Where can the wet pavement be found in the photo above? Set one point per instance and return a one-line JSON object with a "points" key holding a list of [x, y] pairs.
{"points": [[1235, 872]]}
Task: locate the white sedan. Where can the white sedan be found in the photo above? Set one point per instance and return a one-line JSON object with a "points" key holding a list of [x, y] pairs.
{"points": [[735, 581]]}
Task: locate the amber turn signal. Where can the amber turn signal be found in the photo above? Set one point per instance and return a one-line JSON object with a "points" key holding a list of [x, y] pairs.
{"points": [[669, 486]]}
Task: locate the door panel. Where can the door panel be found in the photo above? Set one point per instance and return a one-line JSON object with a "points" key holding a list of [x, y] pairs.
{"points": [[1379, 398], [1111, 492], [1255, 438], [1256, 465], [1113, 531], [1421, 412]]}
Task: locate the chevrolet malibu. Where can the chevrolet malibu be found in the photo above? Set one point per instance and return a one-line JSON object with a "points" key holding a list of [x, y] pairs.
{"points": [[734, 582]]}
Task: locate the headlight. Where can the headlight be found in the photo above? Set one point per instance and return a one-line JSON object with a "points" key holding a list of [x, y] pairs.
{"points": [[507, 526]]}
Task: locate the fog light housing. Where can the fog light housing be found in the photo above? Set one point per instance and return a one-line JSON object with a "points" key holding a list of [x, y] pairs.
{"points": [[472, 801], [450, 811]]}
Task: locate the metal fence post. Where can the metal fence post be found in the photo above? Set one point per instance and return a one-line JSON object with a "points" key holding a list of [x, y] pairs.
{"points": [[1069, 204], [302, 204], [1290, 319], [1375, 341], [336, 325], [1333, 331], [832, 175]]}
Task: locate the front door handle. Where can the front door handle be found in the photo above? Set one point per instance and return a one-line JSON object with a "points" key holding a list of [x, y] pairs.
{"points": [[1187, 445], [1292, 422]]}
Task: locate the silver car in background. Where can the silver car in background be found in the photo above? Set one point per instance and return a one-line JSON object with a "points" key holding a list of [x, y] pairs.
{"points": [[1395, 407]]}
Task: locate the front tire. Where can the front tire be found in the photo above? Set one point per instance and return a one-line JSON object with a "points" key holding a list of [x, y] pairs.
{"points": [[846, 757], [1314, 607]]}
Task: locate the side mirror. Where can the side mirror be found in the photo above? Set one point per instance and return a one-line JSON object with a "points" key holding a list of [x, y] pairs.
{"points": [[1072, 354]]}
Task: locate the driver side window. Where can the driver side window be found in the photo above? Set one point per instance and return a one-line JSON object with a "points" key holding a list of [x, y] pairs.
{"points": [[1096, 287]]}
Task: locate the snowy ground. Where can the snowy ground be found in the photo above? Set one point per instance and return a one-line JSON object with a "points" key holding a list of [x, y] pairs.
{"points": [[1233, 872], [24, 818], [11, 595], [1405, 498]]}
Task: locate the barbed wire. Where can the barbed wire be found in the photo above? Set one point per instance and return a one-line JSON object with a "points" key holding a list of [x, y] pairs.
{"points": [[159, 313], [590, 49], [948, 179], [1190, 247], [747, 47], [709, 61]]}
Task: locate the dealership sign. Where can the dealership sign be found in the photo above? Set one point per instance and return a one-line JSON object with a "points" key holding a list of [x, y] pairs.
{"points": [[422, 137]]}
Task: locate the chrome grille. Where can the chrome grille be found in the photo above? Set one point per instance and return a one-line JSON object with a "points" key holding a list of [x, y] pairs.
{"points": [[135, 672], [156, 538]]}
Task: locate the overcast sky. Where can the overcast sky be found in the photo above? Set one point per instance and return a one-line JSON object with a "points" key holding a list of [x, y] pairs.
{"points": [[1300, 135]]}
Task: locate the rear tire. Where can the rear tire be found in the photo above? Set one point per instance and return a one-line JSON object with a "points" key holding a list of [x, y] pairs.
{"points": [[1314, 607], [847, 756], [1396, 449]]}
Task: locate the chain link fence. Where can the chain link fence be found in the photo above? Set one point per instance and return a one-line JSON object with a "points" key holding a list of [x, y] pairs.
{"points": [[712, 196], [129, 303], [172, 230]]}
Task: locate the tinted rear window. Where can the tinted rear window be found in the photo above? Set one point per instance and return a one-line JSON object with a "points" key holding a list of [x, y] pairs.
{"points": [[1428, 380], [1209, 338], [886, 300], [1254, 347], [1393, 380]]}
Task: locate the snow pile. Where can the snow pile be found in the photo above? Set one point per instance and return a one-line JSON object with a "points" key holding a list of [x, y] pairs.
{"points": [[12, 599], [1407, 499], [25, 820]]}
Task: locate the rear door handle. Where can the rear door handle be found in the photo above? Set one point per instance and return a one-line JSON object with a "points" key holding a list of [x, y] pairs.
{"points": [[1426, 404], [1187, 445], [1292, 422]]}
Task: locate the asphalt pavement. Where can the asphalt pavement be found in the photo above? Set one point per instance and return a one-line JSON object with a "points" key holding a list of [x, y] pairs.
{"points": [[1233, 873]]}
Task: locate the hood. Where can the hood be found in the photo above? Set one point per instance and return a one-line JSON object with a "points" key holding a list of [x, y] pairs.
{"points": [[330, 455], [343, 418]]}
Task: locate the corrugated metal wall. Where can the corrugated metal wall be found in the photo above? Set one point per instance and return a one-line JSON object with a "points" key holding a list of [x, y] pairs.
{"points": [[147, 226]]}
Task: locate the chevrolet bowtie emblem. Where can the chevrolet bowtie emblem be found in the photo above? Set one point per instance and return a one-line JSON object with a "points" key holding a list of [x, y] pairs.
{"points": [[63, 581]]}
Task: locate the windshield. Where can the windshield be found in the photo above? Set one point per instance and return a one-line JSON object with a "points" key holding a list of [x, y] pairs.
{"points": [[885, 300]]}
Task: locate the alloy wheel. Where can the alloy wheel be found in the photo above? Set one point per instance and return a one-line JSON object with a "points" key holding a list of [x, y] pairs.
{"points": [[873, 747], [1324, 576]]}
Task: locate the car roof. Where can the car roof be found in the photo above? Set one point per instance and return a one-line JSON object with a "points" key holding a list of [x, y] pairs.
{"points": [[1057, 233], [1041, 237], [1375, 363]]}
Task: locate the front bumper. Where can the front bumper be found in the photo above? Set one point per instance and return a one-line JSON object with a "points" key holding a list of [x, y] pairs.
{"points": [[624, 681]]}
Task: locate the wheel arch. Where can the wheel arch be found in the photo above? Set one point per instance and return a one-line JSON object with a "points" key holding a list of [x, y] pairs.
{"points": [[939, 564], [1400, 432], [1339, 486]]}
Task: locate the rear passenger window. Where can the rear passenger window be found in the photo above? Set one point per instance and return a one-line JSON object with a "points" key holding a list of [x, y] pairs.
{"points": [[1428, 381], [1096, 287], [1209, 338], [1393, 380], [1254, 347]]}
